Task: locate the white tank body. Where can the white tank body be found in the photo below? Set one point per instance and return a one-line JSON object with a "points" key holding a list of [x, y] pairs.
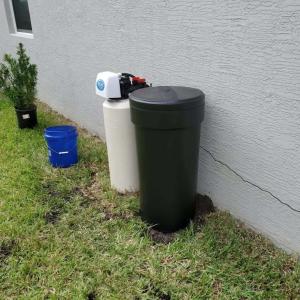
{"points": [[121, 146]]}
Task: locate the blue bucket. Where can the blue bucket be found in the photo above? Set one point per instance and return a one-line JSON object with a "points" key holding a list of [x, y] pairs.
{"points": [[62, 145]]}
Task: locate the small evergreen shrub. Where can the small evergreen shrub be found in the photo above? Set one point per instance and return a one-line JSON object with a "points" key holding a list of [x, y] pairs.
{"points": [[18, 79]]}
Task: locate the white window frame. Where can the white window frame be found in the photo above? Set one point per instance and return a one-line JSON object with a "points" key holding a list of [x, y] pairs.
{"points": [[11, 20]]}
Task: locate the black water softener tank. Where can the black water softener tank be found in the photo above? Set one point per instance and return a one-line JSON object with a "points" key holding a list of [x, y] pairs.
{"points": [[167, 123]]}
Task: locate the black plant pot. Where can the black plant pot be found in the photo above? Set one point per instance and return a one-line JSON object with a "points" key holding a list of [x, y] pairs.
{"points": [[26, 117]]}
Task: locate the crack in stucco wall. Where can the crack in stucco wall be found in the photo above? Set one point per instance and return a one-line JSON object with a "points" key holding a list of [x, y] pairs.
{"points": [[249, 182]]}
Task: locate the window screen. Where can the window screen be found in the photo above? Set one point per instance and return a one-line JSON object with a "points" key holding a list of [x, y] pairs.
{"points": [[22, 16]]}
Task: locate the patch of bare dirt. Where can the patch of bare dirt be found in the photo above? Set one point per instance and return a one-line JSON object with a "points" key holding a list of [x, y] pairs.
{"points": [[152, 290], [160, 237], [91, 296], [51, 191], [6, 248], [204, 206], [92, 196], [110, 215], [217, 289], [92, 191], [52, 216]]}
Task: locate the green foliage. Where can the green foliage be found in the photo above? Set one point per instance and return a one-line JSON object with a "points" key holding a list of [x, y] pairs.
{"points": [[18, 79]]}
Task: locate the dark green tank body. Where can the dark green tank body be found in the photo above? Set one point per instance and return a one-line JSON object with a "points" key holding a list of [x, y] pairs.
{"points": [[167, 124]]}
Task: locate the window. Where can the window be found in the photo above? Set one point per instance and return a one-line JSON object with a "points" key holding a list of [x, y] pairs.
{"points": [[22, 16], [18, 18]]}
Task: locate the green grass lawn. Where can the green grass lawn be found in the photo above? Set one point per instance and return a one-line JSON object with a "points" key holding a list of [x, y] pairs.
{"points": [[64, 234]]}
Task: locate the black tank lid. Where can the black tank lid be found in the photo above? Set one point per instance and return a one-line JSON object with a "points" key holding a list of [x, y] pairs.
{"points": [[167, 98]]}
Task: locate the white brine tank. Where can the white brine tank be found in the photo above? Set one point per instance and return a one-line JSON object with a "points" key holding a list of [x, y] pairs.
{"points": [[119, 130]]}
